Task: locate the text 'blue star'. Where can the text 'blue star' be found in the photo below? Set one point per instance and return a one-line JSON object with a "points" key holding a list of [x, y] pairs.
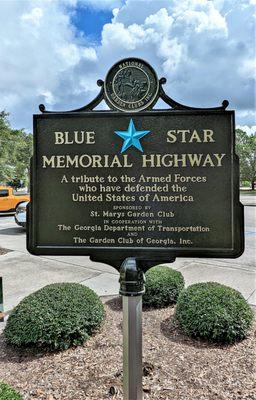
{"points": [[131, 137]]}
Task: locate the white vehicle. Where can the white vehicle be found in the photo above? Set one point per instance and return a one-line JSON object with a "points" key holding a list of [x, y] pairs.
{"points": [[21, 214]]}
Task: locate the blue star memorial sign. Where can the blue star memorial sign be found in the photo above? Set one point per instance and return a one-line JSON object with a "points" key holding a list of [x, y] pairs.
{"points": [[131, 137]]}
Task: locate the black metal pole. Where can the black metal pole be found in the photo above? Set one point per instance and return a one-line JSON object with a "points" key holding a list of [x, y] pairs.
{"points": [[131, 288]]}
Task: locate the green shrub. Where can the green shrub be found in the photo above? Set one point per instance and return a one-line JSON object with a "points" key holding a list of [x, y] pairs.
{"points": [[214, 312], [8, 393], [57, 316], [163, 285]]}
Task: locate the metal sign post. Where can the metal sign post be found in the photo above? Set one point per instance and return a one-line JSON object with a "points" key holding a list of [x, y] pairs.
{"points": [[131, 288]]}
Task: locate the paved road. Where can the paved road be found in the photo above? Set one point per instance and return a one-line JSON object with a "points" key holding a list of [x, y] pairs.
{"points": [[24, 273]]}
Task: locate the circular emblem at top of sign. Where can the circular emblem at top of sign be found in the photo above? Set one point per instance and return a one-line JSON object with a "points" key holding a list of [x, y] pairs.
{"points": [[131, 85]]}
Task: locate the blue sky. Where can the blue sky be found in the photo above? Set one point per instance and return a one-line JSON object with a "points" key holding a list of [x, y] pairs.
{"points": [[53, 51], [90, 21]]}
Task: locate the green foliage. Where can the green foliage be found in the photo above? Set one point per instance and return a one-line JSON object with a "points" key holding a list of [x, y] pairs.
{"points": [[246, 150], [8, 393], [214, 312], [57, 316], [246, 183], [15, 151], [163, 285]]}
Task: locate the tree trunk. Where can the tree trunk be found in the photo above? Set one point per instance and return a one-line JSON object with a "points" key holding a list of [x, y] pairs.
{"points": [[253, 184]]}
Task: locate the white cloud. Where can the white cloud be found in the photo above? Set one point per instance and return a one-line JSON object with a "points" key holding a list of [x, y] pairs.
{"points": [[201, 16], [246, 117], [127, 38], [204, 48], [248, 68], [136, 11], [38, 47], [250, 130], [160, 21], [33, 17], [69, 54], [89, 53], [49, 98]]}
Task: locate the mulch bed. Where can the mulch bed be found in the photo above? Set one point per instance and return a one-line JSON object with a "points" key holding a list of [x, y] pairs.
{"points": [[175, 367]]}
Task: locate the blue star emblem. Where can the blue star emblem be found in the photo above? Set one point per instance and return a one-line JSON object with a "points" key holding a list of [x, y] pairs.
{"points": [[131, 137]]}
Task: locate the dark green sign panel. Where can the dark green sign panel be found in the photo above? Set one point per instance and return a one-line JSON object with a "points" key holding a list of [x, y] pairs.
{"points": [[135, 182], [153, 185]]}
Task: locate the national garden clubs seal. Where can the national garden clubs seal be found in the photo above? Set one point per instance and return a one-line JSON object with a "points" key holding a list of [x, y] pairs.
{"points": [[131, 85]]}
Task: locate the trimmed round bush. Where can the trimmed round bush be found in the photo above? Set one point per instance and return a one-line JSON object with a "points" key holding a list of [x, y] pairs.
{"points": [[163, 285], [8, 393], [55, 317], [214, 312]]}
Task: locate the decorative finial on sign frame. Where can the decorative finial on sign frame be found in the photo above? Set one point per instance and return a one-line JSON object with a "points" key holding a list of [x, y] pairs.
{"points": [[132, 85]]}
